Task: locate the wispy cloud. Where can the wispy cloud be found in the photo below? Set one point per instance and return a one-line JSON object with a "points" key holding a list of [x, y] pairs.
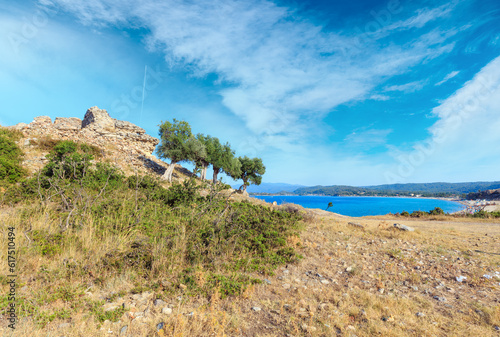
{"points": [[464, 138], [422, 17], [277, 67], [378, 97], [448, 77], [407, 87], [367, 139]]}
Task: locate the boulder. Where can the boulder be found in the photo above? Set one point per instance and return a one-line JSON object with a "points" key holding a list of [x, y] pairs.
{"points": [[403, 227]]}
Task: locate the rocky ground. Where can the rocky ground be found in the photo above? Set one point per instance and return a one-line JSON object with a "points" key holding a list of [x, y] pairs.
{"points": [[358, 277]]}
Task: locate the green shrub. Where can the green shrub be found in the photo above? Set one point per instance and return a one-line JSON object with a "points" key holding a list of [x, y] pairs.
{"points": [[436, 211], [11, 170]]}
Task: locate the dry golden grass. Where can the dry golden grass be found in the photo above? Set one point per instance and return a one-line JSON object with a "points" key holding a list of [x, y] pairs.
{"points": [[375, 281]]}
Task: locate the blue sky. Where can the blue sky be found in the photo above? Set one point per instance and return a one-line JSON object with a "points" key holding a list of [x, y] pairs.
{"points": [[325, 92]]}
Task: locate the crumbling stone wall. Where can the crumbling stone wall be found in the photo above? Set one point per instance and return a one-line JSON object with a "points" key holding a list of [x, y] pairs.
{"points": [[124, 144]]}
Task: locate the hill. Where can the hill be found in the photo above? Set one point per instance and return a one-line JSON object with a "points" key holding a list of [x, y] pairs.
{"points": [[98, 247], [438, 189]]}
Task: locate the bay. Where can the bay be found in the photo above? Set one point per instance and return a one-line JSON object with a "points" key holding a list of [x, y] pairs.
{"points": [[362, 206]]}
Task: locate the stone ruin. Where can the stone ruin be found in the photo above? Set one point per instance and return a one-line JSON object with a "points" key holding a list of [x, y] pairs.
{"points": [[124, 144]]}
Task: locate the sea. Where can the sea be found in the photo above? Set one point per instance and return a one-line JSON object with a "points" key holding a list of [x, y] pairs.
{"points": [[361, 206]]}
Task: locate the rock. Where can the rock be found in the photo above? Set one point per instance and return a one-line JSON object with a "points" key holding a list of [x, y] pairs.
{"points": [[160, 326], [286, 286], [42, 120], [403, 227], [70, 124], [98, 120], [440, 299], [267, 281], [121, 142], [461, 278], [129, 127], [356, 225], [123, 330], [159, 303], [18, 126], [166, 311], [256, 309], [324, 306], [307, 328], [420, 314], [497, 328], [325, 282]]}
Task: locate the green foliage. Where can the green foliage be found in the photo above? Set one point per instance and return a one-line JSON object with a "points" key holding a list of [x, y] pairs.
{"points": [[47, 244], [436, 211], [419, 214], [171, 233], [178, 143], [68, 160], [482, 214], [251, 171], [220, 156], [230, 285], [112, 315], [11, 170]]}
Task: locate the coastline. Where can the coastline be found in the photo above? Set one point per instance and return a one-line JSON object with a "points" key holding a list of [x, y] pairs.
{"points": [[384, 207]]}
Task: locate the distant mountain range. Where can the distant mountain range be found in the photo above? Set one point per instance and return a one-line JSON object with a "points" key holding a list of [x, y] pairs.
{"points": [[438, 189]]}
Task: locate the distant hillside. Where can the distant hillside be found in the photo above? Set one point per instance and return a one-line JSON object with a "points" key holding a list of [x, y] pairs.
{"points": [[487, 195], [270, 188], [425, 189], [439, 187]]}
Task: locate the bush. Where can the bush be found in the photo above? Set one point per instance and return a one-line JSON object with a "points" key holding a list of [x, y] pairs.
{"points": [[66, 162], [436, 211], [11, 170]]}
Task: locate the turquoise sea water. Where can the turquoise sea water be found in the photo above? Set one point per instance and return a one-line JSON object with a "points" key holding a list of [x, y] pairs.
{"points": [[361, 206]]}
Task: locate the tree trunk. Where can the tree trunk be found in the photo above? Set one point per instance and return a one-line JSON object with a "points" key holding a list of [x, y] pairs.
{"points": [[216, 172], [203, 173], [169, 171], [243, 187]]}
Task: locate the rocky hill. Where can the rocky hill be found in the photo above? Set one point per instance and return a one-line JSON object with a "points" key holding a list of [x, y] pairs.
{"points": [[486, 195], [122, 143]]}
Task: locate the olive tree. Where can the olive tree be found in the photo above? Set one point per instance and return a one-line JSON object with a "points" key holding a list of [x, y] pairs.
{"points": [[251, 171], [178, 144]]}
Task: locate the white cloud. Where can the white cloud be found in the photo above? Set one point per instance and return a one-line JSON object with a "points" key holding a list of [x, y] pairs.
{"points": [[464, 141], [448, 77], [281, 68], [408, 87], [377, 97], [367, 139], [422, 17]]}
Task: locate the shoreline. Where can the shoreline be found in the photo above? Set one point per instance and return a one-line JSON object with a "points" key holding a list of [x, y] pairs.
{"points": [[460, 203]]}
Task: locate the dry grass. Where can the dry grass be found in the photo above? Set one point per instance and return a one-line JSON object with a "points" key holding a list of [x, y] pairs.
{"points": [[375, 281]]}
